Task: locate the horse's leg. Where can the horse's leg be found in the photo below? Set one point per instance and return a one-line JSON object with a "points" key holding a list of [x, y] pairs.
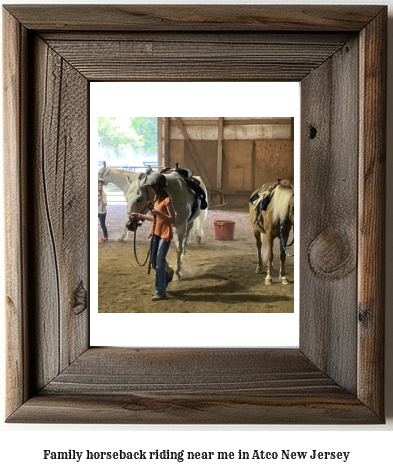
{"points": [[269, 242], [179, 233], [187, 234], [169, 269], [198, 226], [284, 280], [258, 240], [124, 233]]}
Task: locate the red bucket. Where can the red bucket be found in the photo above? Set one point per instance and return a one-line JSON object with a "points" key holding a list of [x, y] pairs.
{"points": [[224, 230]]}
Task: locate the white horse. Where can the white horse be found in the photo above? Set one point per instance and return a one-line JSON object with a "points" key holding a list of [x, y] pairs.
{"points": [[188, 212], [120, 178]]}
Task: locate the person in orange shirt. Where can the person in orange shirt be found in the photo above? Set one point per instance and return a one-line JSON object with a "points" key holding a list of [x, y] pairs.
{"points": [[162, 236]]}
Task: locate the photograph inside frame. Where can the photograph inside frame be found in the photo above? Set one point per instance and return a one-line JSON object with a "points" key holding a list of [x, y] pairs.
{"points": [[196, 214]]}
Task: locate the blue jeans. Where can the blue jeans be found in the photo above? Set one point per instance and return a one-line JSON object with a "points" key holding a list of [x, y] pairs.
{"points": [[158, 260], [102, 218]]}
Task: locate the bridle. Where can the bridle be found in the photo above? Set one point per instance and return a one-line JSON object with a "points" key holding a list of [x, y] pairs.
{"points": [[105, 173]]}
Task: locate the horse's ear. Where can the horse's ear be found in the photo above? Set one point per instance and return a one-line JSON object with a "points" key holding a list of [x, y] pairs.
{"points": [[149, 170], [104, 164], [128, 179]]}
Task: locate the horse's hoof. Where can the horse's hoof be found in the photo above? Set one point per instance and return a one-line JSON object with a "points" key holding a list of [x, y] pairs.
{"points": [[268, 281], [120, 239], [284, 280], [259, 270], [198, 239], [170, 271], [176, 277]]}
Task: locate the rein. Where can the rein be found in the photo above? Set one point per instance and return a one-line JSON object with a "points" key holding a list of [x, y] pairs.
{"points": [[149, 252], [282, 240]]}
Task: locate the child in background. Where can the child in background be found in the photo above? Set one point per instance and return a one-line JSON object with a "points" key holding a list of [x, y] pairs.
{"points": [[102, 203]]}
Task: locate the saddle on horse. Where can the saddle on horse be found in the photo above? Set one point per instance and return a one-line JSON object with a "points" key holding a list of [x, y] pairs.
{"points": [[261, 199], [192, 183]]}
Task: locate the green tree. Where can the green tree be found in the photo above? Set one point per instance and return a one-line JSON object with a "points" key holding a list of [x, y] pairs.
{"points": [[146, 127], [139, 133]]}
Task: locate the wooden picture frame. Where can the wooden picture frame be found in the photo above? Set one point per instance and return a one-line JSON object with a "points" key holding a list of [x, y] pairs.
{"points": [[338, 54]]}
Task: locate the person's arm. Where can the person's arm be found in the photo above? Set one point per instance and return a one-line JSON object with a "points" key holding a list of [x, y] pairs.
{"points": [[171, 213], [141, 217]]}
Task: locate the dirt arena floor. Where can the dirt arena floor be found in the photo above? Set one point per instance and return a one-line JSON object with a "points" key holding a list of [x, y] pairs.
{"points": [[217, 277]]}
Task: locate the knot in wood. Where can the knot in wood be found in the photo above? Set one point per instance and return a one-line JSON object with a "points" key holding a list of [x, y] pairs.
{"points": [[313, 132], [331, 255], [363, 316], [80, 299]]}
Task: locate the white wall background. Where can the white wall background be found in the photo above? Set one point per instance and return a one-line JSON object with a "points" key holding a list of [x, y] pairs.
{"points": [[21, 446], [152, 330]]}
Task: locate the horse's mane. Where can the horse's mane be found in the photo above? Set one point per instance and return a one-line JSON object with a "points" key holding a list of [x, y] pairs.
{"points": [[280, 202], [123, 171]]}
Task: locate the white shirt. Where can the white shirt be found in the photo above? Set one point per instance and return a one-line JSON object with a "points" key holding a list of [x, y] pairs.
{"points": [[102, 203]]}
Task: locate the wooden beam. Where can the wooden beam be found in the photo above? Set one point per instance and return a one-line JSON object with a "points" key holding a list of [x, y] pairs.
{"points": [[166, 144], [259, 121], [160, 150], [239, 121], [253, 166], [219, 152], [194, 154]]}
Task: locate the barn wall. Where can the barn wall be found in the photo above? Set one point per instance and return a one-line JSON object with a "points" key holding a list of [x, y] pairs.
{"points": [[207, 152], [254, 150], [247, 164], [273, 159]]}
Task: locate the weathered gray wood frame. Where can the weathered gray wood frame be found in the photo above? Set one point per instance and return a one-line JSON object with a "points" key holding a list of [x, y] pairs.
{"points": [[338, 53]]}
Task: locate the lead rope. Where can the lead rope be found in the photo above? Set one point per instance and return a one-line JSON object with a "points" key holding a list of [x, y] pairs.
{"points": [[149, 252], [151, 244], [282, 241]]}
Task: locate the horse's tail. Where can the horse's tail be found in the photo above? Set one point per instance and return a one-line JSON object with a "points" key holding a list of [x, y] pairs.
{"points": [[280, 202], [197, 228]]}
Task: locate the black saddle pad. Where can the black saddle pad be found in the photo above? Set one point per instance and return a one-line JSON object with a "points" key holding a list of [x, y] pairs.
{"points": [[194, 184], [254, 197]]}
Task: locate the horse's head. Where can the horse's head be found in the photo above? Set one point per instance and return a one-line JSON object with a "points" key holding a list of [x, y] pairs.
{"points": [[138, 195], [103, 174]]}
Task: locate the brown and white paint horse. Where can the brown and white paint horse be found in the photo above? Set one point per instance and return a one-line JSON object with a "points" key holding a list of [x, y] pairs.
{"points": [[275, 222]]}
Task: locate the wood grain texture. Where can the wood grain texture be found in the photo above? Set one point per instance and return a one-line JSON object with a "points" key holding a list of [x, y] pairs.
{"points": [[239, 409], [336, 375], [59, 213], [174, 58], [194, 18], [329, 177], [15, 176], [193, 386], [372, 196]]}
